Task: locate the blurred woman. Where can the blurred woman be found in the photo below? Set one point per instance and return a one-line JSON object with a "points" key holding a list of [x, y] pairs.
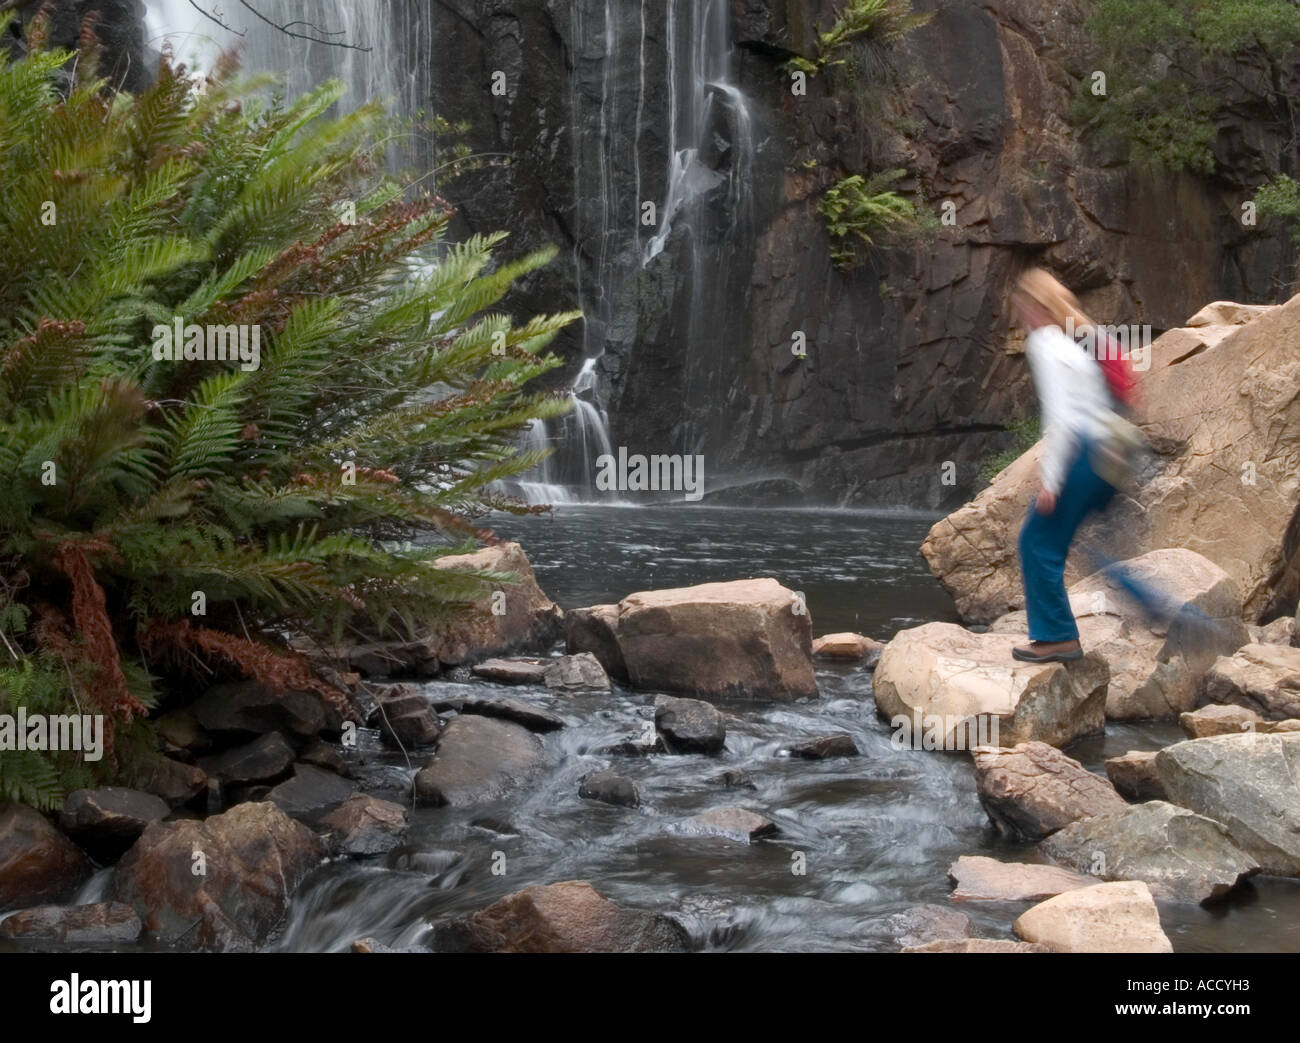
{"points": [[1077, 409]]}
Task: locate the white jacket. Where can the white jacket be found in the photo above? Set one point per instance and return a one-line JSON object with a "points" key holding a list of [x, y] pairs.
{"points": [[1074, 399]]}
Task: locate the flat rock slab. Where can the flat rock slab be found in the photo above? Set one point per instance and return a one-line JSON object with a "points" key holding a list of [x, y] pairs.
{"points": [[982, 945], [1220, 720], [566, 917], [848, 647], [479, 760], [824, 747], [1248, 784], [534, 718], [977, 878], [1134, 776], [99, 924], [689, 725], [738, 824], [1034, 789], [310, 794], [1118, 917], [928, 923], [941, 672], [512, 671], [1181, 855]]}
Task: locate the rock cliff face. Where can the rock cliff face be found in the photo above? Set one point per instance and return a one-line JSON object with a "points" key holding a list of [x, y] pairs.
{"points": [[907, 363]]}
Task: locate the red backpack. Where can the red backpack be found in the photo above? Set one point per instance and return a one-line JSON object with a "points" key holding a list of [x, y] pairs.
{"points": [[1118, 372]]}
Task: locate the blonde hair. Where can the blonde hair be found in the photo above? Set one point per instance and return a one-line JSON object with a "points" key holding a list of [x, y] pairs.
{"points": [[1046, 290]]}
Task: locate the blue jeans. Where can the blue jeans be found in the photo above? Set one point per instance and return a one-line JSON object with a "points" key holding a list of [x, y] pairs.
{"points": [[1044, 543]]}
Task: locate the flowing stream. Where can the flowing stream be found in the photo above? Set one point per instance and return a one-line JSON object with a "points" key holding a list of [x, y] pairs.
{"points": [[878, 831]]}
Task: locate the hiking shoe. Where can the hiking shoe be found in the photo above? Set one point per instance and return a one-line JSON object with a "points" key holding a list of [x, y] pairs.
{"points": [[1048, 652]]}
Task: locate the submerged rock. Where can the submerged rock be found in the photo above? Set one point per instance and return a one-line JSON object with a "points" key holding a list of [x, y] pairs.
{"points": [[689, 725], [1034, 789], [923, 924], [1118, 917], [566, 917], [609, 787], [1247, 783], [37, 862], [1180, 854], [531, 717], [737, 824], [252, 856], [824, 747], [981, 945], [479, 760], [99, 924], [977, 878], [943, 673]]}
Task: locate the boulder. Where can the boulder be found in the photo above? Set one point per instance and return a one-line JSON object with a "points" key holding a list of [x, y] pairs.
{"points": [[1134, 776], [736, 824], [530, 619], [251, 708], [580, 672], [325, 755], [1247, 783], [977, 878], [609, 787], [405, 718], [168, 779], [1279, 632], [689, 725], [37, 862], [1034, 789], [479, 760], [512, 671], [748, 638], [254, 856], [595, 630], [1220, 720], [310, 793], [534, 718], [106, 821], [365, 825], [824, 747], [1264, 678], [1223, 418], [1180, 854], [1155, 665], [566, 917], [943, 673], [1116, 917], [265, 759], [848, 647], [981, 945], [924, 924], [1228, 313], [182, 730], [98, 925]]}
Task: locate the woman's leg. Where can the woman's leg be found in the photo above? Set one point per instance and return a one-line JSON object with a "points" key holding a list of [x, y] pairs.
{"points": [[1044, 545]]}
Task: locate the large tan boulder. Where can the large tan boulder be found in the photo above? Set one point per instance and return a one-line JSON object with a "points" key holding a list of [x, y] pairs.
{"points": [[1117, 917], [748, 638], [1156, 666], [942, 675], [1221, 412], [1259, 677]]}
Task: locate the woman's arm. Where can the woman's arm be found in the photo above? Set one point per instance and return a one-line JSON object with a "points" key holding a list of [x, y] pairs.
{"points": [[1051, 381]]}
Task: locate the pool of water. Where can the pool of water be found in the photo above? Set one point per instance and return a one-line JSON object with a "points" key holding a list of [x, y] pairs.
{"points": [[874, 834]]}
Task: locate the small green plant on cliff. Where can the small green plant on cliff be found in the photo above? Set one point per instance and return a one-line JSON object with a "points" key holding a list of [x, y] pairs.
{"points": [[1280, 199], [167, 504], [1025, 434], [865, 212], [871, 22]]}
